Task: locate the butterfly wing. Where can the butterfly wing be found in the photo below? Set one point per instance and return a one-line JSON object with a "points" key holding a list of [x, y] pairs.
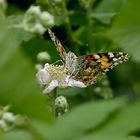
{"points": [[58, 45], [92, 65], [86, 68]]}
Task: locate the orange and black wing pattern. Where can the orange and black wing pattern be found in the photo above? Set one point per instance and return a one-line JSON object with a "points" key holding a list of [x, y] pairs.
{"points": [[58, 45], [92, 65]]}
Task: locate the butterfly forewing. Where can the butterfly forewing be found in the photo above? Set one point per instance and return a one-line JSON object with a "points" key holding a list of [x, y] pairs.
{"points": [[58, 45]]}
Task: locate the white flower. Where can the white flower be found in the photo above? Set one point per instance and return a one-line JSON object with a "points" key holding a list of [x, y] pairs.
{"points": [[55, 76], [47, 19], [52, 85], [43, 76], [34, 10], [34, 28], [73, 83], [8, 117], [36, 21]]}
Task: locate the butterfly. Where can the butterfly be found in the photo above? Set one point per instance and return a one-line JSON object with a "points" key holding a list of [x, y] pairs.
{"points": [[87, 67]]}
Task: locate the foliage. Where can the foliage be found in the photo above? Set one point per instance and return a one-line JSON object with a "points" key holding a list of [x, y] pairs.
{"points": [[111, 25]]}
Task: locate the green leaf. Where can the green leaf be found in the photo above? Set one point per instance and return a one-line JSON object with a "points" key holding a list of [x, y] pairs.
{"points": [[122, 126], [106, 10], [78, 18], [39, 129], [17, 135], [103, 17], [124, 123], [18, 83], [104, 137], [126, 29], [59, 19], [82, 119]]}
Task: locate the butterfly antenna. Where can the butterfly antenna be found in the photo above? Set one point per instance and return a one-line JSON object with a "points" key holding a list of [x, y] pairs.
{"points": [[58, 45]]}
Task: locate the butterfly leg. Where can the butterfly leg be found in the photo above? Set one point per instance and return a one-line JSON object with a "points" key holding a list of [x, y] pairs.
{"points": [[74, 72], [57, 62]]}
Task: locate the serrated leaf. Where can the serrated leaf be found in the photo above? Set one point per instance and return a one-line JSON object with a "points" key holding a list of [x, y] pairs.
{"points": [[103, 17], [82, 119], [121, 127], [106, 10], [124, 123]]}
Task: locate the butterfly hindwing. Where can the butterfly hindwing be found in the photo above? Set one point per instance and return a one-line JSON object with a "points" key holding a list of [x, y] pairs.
{"points": [[92, 65]]}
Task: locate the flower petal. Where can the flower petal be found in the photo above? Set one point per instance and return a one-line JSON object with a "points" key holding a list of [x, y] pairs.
{"points": [[74, 83], [43, 76], [52, 86]]}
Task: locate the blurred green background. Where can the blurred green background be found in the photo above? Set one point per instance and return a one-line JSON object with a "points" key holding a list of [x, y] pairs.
{"points": [[109, 109]]}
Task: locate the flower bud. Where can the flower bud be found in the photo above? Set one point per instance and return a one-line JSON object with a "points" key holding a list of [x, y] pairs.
{"points": [[47, 19], [43, 56], [61, 105], [38, 67], [36, 21], [33, 10]]}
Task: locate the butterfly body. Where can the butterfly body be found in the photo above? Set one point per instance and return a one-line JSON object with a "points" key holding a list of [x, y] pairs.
{"points": [[71, 64]]}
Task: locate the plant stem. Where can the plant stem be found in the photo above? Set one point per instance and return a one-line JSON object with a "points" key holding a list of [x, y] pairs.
{"points": [[51, 102], [67, 21], [90, 22]]}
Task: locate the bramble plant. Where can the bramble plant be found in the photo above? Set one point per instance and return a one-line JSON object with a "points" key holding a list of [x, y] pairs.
{"points": [[107, 109]]}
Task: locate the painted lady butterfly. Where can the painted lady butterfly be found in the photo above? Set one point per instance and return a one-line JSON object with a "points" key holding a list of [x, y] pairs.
{"points": [[86, 68]]}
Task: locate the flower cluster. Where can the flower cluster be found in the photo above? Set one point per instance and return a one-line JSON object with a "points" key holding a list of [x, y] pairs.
{"points": [[9, 120], [37, 21], [53, 76]]}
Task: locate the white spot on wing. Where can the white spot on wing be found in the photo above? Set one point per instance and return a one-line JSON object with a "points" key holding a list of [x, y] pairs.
{"points": [[96, 56], [121, 53], [106, 70], [115, 64], [111, 54], [115, 59]]}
